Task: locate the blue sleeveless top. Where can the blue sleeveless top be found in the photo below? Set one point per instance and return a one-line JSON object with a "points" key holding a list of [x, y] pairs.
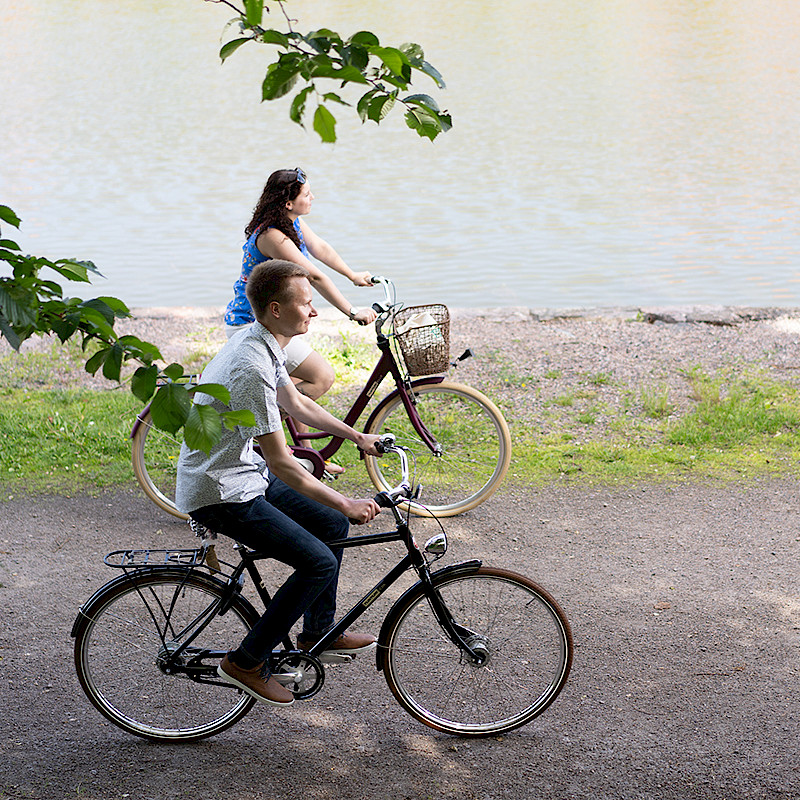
{"points": [[238, 311]]}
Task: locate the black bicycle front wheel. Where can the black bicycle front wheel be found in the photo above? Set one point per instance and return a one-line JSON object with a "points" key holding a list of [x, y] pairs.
{"points": [[516, 625], [122, 646], [474, 440]]}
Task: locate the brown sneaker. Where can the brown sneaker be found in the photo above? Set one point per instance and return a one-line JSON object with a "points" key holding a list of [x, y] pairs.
{"points": [[252, 682], [348, 643]]}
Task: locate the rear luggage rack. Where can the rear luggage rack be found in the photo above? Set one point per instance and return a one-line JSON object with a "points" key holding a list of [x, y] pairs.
{"points": [[149, 558]]}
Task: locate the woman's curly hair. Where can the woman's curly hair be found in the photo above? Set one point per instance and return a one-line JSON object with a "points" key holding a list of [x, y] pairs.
{"points": [[270, 211]]}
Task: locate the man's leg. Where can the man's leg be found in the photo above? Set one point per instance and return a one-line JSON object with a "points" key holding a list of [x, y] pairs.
{"points": [[328, 525], [325, 524], [263, 526]]}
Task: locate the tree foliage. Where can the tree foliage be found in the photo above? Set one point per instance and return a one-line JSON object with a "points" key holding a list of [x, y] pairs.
{"points": [[306, 63], [32, 301]]}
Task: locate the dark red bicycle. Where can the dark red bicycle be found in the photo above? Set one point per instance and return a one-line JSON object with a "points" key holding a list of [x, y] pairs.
{"points": [[458, 437]]}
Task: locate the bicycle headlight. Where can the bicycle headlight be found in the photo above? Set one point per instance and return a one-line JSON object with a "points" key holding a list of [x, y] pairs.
{"points": [[436, 545]]}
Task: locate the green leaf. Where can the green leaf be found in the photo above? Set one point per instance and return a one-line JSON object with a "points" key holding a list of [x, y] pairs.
{"points": [[147, 351], [355, 56], [274, 37], [112, 366], [298, 108], [325, 124], [233, 418], [64, 328], [173, 371], [203, 428], [101, 307], [431, 72], [380, 107], [423, 100], [350, 74], [8, 244], [332, 97], [423, 123], [413, 52], [364, 38], [229, 48], [94, 322], [363, 104], [9, 333], [16, 305], [96, 361], [75, 270], [278, 81], [170, 407], [254, 11], [393, 58], [215, 390], [322, 40], [143, 382], [7, 215]]}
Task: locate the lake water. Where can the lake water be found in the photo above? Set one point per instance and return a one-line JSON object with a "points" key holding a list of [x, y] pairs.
{"points": [[604, 152]]}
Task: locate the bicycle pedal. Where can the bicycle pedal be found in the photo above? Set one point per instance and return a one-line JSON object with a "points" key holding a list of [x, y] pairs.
{"points": [[331, 657]]}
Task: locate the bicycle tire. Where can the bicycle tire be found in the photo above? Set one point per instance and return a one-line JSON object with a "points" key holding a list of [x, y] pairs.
{"points": [[476, 447], [154, 454], [519, 625], [118, 651]]}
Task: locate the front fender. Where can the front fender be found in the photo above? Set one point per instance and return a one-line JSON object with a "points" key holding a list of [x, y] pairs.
{"points": [[434, 379], [462, 568]]}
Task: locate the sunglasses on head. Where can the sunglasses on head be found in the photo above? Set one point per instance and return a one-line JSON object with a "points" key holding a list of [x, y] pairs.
{"points": [[301, 176]]}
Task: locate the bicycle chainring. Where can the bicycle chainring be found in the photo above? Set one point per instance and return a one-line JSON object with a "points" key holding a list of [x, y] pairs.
{"points": [[302, 674]]}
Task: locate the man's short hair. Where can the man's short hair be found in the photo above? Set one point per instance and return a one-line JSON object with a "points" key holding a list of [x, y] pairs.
{"points": [[268, 282]]}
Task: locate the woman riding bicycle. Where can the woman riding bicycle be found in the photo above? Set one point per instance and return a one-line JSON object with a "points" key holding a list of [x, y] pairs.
{"points": [[277, 231]]}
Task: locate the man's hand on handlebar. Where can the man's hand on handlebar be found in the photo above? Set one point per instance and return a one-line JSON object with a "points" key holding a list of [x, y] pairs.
{"points": [[360, 512]]}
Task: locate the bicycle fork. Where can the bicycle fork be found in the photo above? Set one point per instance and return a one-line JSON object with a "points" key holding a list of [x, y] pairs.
{"points": [[468, 641]]}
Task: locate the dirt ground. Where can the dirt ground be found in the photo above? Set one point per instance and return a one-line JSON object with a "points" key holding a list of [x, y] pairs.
{"points": [[684, 607], [684, 602]]}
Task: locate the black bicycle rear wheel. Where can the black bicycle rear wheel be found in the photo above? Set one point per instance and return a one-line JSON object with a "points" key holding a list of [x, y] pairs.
{"points": [[122, 641], [516, 624]]}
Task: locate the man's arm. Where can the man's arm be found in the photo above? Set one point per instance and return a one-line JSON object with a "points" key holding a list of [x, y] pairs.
{"points": [[306, 410], [284, 466]]}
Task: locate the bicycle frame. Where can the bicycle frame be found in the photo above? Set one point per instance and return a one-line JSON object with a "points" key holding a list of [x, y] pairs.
{"points": [[387, 365], [414, 559]]}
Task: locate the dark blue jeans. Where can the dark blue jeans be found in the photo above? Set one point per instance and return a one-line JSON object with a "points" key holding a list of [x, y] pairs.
{"points": [[292, 529]]}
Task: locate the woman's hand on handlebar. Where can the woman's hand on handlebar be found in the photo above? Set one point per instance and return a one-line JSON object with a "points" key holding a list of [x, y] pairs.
{"points": [[364, 316], [368, 442], [362, 279]]}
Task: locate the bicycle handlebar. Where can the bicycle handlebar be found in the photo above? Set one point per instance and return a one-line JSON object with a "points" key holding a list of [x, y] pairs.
{"points": [[403, 490]]}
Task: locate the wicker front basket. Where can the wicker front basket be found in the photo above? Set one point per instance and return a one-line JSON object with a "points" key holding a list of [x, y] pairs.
{"points": [[423, 334]]}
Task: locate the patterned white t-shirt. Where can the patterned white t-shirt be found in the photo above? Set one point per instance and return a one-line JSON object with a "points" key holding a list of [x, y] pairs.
{"points": [[251, 366]]}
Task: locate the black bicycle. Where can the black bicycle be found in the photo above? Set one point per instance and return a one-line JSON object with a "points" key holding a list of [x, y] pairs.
{"points": [[468, 649]]}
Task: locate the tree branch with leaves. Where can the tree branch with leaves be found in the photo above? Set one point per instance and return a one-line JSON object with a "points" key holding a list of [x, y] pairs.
{"points": [[306, 61]]}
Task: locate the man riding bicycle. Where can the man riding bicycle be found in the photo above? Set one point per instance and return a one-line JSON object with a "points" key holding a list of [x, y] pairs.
{"points": [[281, 511]]}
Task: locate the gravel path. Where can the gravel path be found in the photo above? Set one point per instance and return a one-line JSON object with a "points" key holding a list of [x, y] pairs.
{"points": [[684, 607]]}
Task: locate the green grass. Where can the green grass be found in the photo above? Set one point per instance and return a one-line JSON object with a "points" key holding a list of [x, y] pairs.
{"points": [[737, 427], [65, 440], [738, 424]]}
